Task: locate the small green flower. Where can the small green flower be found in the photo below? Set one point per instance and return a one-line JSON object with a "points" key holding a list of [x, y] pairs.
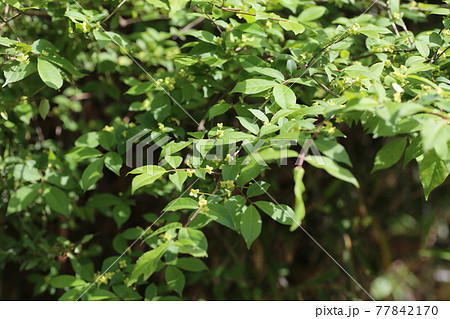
{"points": [[194, 192]]}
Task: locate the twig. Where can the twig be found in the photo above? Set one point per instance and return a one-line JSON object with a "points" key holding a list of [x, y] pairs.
{"points": [[5, 22], [198, 210], [301, 158], [323, 86], [189, 26], [440, 54], [12, 18], [213, 22], [114, 12], [406, 31], [325, 48], [393, 23]]}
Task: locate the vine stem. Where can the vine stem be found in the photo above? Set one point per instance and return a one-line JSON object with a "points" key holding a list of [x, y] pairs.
{"points": [[198, 210], [323, 86], [301, 157], [114, 12], [308, 65], [440, 54]]}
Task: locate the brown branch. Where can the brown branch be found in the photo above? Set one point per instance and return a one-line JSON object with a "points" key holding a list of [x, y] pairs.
{"points": [[213, 22], [114, 12], [323, 86], [406, 31], [440, 54]]}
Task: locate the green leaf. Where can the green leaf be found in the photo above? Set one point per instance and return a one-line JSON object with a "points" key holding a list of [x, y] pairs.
{"points": [[106, 140], [56, 199], [64, 281], [181, 203], [312, 13], [92, 174], [249, 172], [158, 4], [257, 188], [394, 6], [121, 212], [259, 115], [266, 71], [284, 96], [292, 26], [148, 175], [253, 86], [299, 189], [113, 162], [176, 6], [44, 107], [146, 265], [389, 154], [49, 52], [190, 264], [331, 148], [17, 71], [175, 279], [220, 214], [101, 294], [173, 161], [282, 214], [413, 150], [77, 154], [49, 74], [249, 124], [423, 49], [433, 172], [332, 168], [7, 42], [192, 241], [103, 38], [26, 173], [21, 198], [218, 109], [250, 225], [89, 139], [178, 178], [436, 135], [148, 170], [165, 228]]}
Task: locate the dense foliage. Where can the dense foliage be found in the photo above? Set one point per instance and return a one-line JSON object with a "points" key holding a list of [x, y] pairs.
{"points": [[215, 90]]}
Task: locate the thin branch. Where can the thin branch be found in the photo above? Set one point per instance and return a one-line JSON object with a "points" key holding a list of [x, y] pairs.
{"points": [[189, 26], [114, 12], [394, 26], [301, 157], [406, 31], [5, 22], [325, 48], [213, 22], [198, 210], [323, 86], [440, 54]]}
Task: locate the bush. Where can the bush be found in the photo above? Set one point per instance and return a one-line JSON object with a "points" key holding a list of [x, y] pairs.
{"points": [[171, 126]]}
